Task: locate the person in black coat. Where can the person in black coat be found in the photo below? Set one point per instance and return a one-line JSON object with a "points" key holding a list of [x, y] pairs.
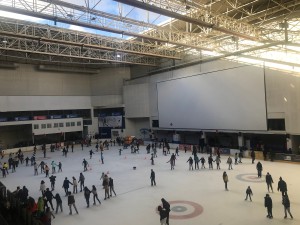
{"points": [[152, 178], [269, 181], [87, 194], [282, 186], [49, 196], [248, 193], [58, 203], [269, 205], [286, 204], [166, 206], [66, 185], [52, 181], [252, 154], [259, 169], [162, 215]]}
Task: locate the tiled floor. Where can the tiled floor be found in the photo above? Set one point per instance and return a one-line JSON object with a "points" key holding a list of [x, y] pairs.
{"points": [[196, 197]]}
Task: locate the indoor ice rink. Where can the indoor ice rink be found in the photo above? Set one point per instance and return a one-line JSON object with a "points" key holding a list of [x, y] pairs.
{"points": [[196, 197], [205, 73]]}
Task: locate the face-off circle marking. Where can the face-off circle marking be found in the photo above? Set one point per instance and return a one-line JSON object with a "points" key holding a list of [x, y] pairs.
{"points": [[192, 210], [250, 177]]}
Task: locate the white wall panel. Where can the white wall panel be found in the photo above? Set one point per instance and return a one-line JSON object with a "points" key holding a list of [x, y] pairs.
{"points": [[136, 99], [26, 81], [31, 103], [227, 99]]}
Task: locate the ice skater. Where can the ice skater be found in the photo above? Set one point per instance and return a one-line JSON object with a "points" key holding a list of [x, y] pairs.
{"points": [[248, 193], [152, 178], [259, 168], [225, 179], [269, 181], [269, 206]]}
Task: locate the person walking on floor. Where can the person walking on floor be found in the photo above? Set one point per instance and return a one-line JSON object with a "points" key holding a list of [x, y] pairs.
{"points": [[87, 194], [259, 168], [286, 204], [248, 193], [166, 207], [152, 178], [282, 186], [71, 202], [95, 194], [225, 179], [162, 215], [269, 205], [269, 181], [111, 186], [58, 203]]}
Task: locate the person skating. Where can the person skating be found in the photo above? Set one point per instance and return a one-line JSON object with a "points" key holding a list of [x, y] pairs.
{"points": [[229, 162], [282, 186], [176, 151], [87, 194], [66, 185], [95, 194], [75, 184], [52, 182], [236, 158], [81, 181], [269, 205], [111, 186], [47, 170], [190, 161], [162, 215], [225, 179], [49, 196], [102, 157], [152, 178], [210, 162], [58, 203], [152, 159], [172, 161], [105, 184], [259, 168], [269, 181], [202, 160], [248, 193], [286, 204], [48, 215], [166, 206], [59, 167], [218, 161], [252, 154], [91, 153], [85, 164], [53, 165], [43, 187], [71, 202]]}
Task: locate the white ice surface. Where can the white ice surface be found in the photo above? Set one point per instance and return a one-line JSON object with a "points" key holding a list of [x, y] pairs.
{"points": [[136, 200]]}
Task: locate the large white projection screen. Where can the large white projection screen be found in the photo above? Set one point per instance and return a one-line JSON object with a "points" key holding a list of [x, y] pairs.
{"points": [[232, 99]]}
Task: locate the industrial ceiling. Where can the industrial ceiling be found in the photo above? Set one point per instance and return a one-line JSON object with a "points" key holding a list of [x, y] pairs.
{"points": [[260, 30]]}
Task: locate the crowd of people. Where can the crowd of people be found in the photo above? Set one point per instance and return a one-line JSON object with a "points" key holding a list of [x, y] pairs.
{"points": [[44, 208]]}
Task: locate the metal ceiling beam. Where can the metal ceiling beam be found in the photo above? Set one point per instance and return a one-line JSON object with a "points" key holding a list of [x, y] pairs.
{"points": [[192, 18], [104, 22], [214, 58]]}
